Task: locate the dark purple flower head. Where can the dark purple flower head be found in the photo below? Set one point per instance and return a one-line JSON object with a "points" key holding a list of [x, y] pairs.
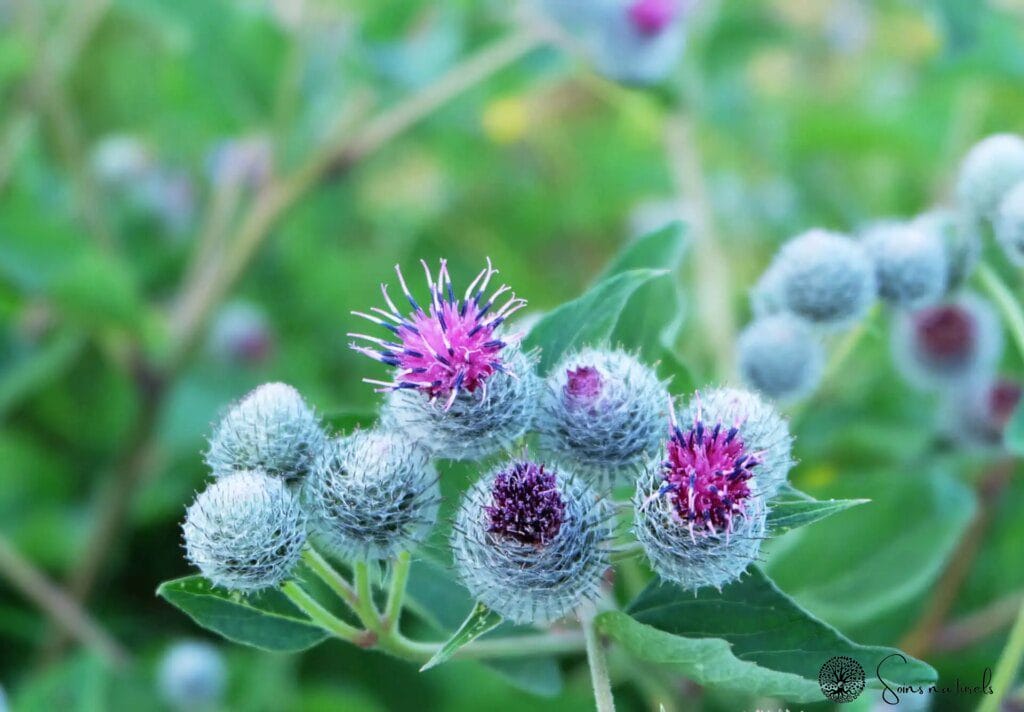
{"points": [[707, 475], [1003, 397], [583, 385], [447, 348], [526, 504], [946, 333], [650, 17]]}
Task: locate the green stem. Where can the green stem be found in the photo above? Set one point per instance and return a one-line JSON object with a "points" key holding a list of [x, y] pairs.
{"points": [[365, 608], [1006, 302], [599, 678], [517, 646], [320, 615], [1007, 667], [396, 593], [327, 573]]}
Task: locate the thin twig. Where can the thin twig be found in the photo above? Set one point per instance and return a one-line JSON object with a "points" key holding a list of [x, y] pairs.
{"points": [[61, 608], [974, 627]]}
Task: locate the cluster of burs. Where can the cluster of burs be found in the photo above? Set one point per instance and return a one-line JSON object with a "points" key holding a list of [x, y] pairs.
{"points": [[944, 337], [533, 536]]}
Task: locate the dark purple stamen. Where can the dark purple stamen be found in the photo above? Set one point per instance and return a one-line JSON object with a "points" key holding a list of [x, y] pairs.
{"points": [[526, 505]]}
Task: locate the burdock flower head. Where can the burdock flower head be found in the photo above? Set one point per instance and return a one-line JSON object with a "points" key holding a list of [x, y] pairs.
{"points": [[601, 414], [990, 169], [530, 542], [947, 344], [960, 238], [780, 356], [701, 513], [910, 263], [977, 413], [371, 495], [461, 388], [192, 676], [640, 41]]}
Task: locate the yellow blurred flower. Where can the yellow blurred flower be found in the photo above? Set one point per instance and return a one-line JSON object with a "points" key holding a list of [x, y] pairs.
{"points": [[820, 475], [506, 120]]}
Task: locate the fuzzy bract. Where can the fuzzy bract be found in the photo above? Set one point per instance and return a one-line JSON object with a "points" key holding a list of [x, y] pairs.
{"points": [[947, 344], [474, 424], [371, 495], [910, 263], [1009, 224], [960, 239], [700, 514], [639, 41], [531, 542], [991, 168], [272, 429], [602, 415], [245, 531], [192, 676], [780, 356], [824, 277]]}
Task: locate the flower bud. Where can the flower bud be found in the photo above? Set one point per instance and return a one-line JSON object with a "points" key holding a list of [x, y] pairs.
{"points": [[910, 264], [1009, 224], [992, 167], [245, 532], [192, 676], [639, 41], [977, 412], [371, 495], [701, 514], [946, 344], [823, 277], [781, 357], [271, 429], [531, 543], [241, 334], [960, 239], [602, 414]]}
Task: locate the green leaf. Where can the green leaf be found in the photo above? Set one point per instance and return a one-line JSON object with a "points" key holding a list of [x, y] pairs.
{"points": [[1015, 431], [651, 319], [265, 620], [435, 595], [749, 637], [792, 508], [480, 620], [870, 561], [588, 319]]}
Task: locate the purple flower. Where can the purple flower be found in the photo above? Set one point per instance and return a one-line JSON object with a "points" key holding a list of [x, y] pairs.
{"points": [[707, 473], [650, 17], [451, 346], [583, 385], [946, 333], [526, 504]]}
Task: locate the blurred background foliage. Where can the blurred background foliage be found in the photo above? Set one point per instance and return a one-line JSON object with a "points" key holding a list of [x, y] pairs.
{"points": [[137, 137]]}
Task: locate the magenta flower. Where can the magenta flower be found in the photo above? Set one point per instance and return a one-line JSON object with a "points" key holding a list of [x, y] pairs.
{"points": [[707, 473], [583, 385], [650, 17], [450, 347]]}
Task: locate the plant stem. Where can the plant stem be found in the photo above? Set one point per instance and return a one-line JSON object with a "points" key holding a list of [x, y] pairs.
{"points": [[327, 573], [60, 607], [1006, 668], [365, 608], [1007, 303], [396, 592], [513, 646], [603, 699], [320, 615]]}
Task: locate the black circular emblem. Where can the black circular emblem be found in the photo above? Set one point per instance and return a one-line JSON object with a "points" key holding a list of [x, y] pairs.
{"points": [[841, 679]]}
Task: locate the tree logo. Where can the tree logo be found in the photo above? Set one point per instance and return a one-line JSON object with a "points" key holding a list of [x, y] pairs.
{"points": [[841, 679]]}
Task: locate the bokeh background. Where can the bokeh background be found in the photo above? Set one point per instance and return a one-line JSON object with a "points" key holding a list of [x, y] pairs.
{"points": [[195, 193]]}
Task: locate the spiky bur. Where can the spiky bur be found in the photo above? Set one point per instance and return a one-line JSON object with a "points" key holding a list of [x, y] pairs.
{"points": [[601, 415], [639, 41], [947, 344], [977, 413], [531, 542], [991, 168], [371, 495], [700, 514], [763, 430], [272, 429], [910, 264], [823, 277], [780, 356], [245, 532], [461, 388], [960, 239], [1009, 224], [192, 676]]}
